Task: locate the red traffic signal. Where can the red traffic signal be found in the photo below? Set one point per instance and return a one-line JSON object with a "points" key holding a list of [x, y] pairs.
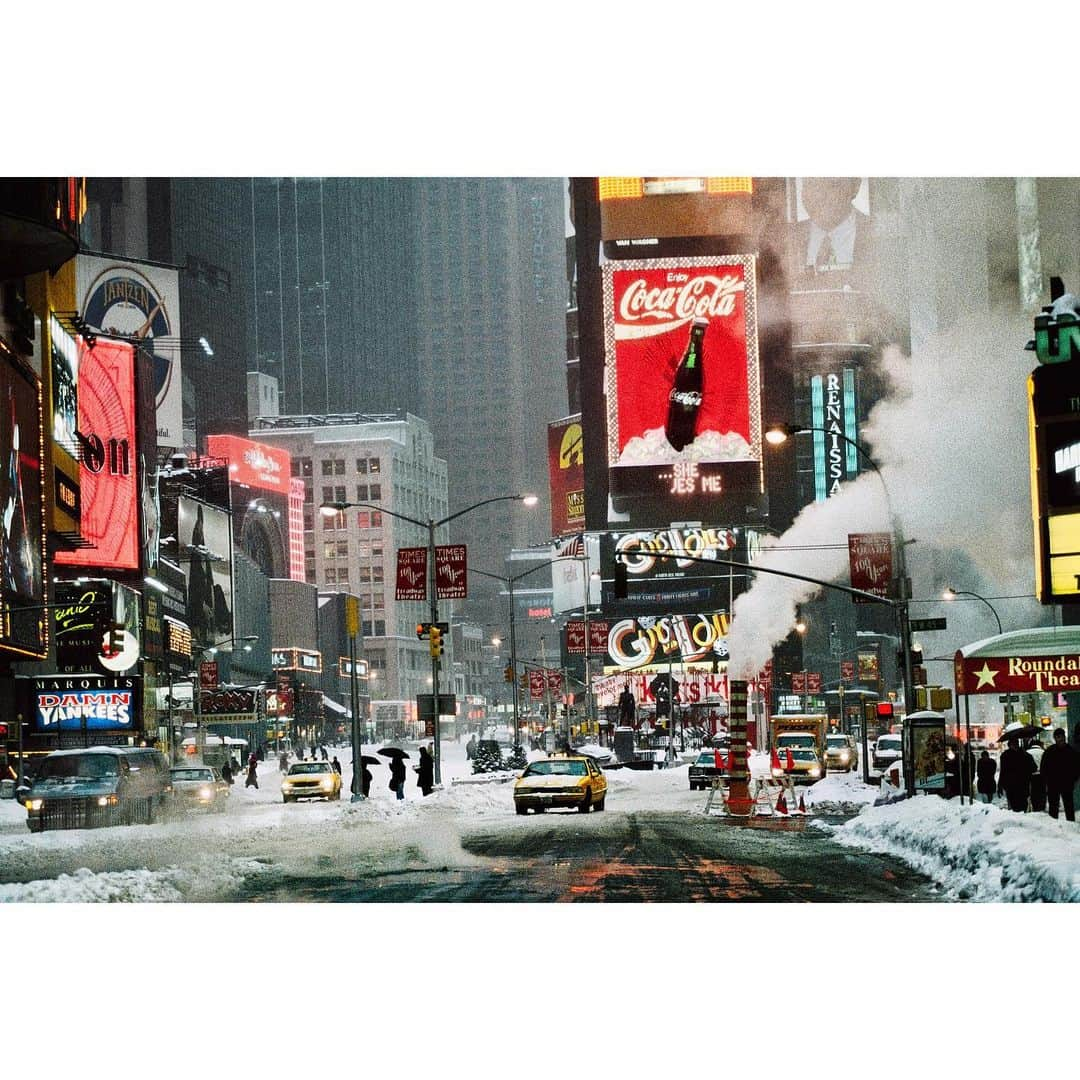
{"points": [[422, 629], [885, 709]]}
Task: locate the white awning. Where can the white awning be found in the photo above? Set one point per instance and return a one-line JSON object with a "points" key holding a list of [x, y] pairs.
{"points": [[333, 706]]}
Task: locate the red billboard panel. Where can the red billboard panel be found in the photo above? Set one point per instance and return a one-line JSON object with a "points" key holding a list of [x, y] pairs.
{"points": [[1017, 674], [253, 464], [22, 571], [296, 529], [537, 683], [813, 682], [451, 576], [411, 574], [566, 469], [870, 556], [798, 682], [847, 670], [108, 475], [598, 636], [681, 376]]}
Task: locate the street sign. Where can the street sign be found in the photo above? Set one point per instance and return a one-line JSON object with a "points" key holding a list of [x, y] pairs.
{"points": [[1007, 699], [927, 624]]}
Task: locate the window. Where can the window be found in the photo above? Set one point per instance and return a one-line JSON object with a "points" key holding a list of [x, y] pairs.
{"points": [[343, 549], [305, 466], [363, 519], [329, 548], [376, 519], [373, 465], [309, 519], [361, 492], [294, 467], [339, 467], [330, 576], [343, 575], [339, 494], [328, 494], [328, 468], [365, 575], [380, 631], [361, 465], [376, 492], [376, 572]]}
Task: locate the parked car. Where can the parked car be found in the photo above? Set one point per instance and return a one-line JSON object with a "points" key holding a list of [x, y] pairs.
{"points": [[573, 781], [703, 769], [98, 785], [198, 786], [311, 780], [841, 752], [887, 749], [806, 766]]}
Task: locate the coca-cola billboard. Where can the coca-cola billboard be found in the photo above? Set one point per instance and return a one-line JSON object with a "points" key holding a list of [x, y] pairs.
{"points": [[681, 377]]}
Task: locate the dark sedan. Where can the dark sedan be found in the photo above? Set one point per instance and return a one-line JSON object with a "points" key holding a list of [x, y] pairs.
{"points": [[704, 769]]}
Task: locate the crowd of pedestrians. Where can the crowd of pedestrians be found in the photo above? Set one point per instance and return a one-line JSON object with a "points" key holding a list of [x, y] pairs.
{"points": [[1032, 778]]}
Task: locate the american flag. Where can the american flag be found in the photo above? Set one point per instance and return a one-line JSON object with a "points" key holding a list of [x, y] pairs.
{"points": [[573, 548]]}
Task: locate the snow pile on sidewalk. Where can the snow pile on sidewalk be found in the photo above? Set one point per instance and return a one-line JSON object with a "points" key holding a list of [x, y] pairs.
{"points": [[841, 793], [976, 852]]}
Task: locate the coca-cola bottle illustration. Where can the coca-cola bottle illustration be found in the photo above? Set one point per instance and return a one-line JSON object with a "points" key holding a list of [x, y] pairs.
{"points": [[684, 401]]}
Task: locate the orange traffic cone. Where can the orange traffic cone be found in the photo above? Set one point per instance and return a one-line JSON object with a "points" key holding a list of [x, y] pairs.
{"points": [[775, 762], [781, 805], [790, 763]]}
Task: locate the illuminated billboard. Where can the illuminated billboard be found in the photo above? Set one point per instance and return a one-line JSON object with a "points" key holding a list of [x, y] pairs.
{"points": [[205, 550], [23, 630], [252, 464], [566, 472], [86, 703], [681, 380], [108, 475], [140, 302]]}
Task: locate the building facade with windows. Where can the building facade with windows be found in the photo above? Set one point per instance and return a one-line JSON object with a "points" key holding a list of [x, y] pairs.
{"points": [[388, 462]]}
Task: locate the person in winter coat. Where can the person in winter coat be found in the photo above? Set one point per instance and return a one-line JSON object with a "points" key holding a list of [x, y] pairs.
{"points": [[226, 774], [336, 765], [470, 748], [985, 770], [252, 773], [365, 782], [425, 779], [397, 776], [283, 762], [1038, 786], [1060, 769], [1015, 776]]}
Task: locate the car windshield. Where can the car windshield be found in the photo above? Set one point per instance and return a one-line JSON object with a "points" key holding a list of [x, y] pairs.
{"points": [[192, 774], [308, 767], [836, 742], [803, 755], [708, 758], [557, 768], [889, 742], [82, 766], [806, 741]]}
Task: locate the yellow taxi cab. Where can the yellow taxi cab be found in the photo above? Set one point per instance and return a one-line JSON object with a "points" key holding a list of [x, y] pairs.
{"points": [[805, 767], [566, 780], [311, 780]]}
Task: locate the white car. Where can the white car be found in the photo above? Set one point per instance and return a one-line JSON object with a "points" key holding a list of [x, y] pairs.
{"points": [[887, 749]]}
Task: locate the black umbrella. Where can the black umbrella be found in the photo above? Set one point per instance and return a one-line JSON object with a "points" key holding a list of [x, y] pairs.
{"points": [[391, 751], [1016, 730], [366, 759]]}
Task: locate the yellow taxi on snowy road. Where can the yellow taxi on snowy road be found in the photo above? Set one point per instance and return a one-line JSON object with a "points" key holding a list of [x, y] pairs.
{"points": [[568, 780], [311, 780]]}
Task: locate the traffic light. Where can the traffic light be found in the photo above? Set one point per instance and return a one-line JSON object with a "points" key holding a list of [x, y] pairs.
{"points": [[508, 673], [620, 580], [885, 712], [422, 629], [435, 641]]}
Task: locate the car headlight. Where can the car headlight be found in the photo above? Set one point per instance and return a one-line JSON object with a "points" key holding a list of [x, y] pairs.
{"points": [[844, 755], [285, 786], [778, 772], [205, 793], [327, 783], [108, 800], [34, 804], [814, 770]]}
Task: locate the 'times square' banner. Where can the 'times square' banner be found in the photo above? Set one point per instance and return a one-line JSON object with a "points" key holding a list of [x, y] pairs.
{"points": [[107, 473], [682, 425]]}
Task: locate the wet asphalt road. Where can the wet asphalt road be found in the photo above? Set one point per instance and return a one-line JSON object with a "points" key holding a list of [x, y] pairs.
{"points": [[632, 858]]}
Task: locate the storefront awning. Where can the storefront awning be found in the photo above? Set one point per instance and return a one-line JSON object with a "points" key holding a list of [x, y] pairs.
{"points": [[334, 707]]}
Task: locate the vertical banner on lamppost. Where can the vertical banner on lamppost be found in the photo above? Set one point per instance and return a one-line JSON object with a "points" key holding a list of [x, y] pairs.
{"points": [[869, 667], [847, 670], [451, 581], [537, 683], [813, 682], [870, 558], [411, 574], [798, 682]]}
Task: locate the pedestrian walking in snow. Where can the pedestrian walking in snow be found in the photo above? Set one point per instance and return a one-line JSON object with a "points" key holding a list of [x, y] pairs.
{"points": [[470, 748], [252, 773], [365, 782], [226, 774], [283, 762], [325, 753], [1014, 778], [1038, 785], [336, 765], [425, 779], [986, 769], [1060, 770], [397, 776]]}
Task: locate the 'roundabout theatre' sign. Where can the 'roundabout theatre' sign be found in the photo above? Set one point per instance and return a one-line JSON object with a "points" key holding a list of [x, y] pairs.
{"points": [[1017, 674]]}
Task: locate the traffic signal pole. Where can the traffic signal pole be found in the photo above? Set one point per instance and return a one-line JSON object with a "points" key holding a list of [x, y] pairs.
{"points": [[437, 770]]}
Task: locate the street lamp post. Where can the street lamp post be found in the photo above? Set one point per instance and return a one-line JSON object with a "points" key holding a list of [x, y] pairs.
{"points": [[329, 509], [776, 435]]}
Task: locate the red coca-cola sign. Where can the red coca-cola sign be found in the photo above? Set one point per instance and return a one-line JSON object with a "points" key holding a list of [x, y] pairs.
{"points": [[870, 558], [650, 307], [451, 578], [411, 574]]}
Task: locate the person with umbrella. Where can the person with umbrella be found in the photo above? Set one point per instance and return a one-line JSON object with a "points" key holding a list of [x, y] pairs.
{"points": [[1015, 775], [397, 769], [226, 773], [425, 779], [365, 776]]}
